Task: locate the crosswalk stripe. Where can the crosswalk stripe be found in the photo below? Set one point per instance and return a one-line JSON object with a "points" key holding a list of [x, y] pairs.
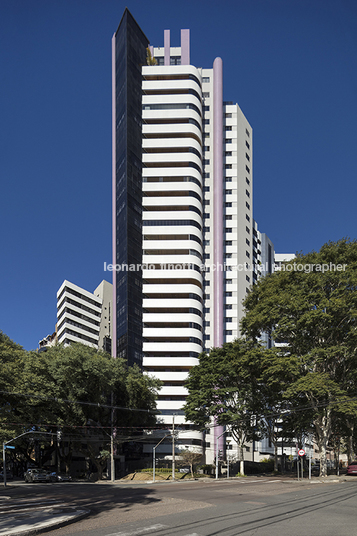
{"points": [[139, 531]]}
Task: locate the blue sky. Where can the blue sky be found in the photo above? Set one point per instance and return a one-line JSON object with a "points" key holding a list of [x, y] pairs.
{"points": [[290, 65]]}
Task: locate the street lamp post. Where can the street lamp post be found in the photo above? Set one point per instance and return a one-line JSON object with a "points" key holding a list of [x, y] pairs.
{"points": [[153, 456]]}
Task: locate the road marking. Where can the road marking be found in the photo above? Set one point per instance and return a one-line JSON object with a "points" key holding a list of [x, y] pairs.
{"points": [[139, 531]]}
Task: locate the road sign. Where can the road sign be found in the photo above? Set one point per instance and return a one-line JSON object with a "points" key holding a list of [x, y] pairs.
{"points": [[301, 452], [9, 447]]}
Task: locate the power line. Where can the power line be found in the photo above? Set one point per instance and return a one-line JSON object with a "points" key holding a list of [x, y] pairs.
{"points": [[63, 400]]}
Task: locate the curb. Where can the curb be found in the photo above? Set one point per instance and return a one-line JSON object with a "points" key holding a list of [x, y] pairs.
{"points": [[46, 525]]}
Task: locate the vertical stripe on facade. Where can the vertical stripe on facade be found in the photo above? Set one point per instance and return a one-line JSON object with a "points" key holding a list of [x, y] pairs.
{"points": [[218, 200], [114, 234]]}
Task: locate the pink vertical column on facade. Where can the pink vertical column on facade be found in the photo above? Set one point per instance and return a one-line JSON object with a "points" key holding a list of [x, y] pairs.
{"points": [[166, 47], [114, 234], [185, 47], [218, 319], [218, 200]]}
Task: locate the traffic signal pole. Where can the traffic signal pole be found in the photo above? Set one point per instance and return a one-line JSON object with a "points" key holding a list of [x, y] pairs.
{"points": [[6, 443]]}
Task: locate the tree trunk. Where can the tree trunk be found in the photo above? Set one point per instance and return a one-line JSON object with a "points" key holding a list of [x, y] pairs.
{"points": [[241, 465], [323, 456], [350, 456], [275, 443], [324, 427]]}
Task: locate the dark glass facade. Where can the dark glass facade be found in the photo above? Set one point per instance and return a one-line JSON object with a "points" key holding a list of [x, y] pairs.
{"points": [[130, 55]]}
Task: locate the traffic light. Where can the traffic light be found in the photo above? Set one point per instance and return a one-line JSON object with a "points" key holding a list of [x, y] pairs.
{"points": [[220, 454], [59, 435]]}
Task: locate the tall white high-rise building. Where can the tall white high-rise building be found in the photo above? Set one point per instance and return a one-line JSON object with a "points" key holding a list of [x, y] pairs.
{"points": [[199, 245]]}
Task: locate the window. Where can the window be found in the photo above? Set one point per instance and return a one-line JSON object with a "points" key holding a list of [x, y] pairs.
{"points": [[229, 281], [228, 332], [206, 162], [248, 230], [206, 148], [247, 169], [228, 255], [228, 242], [227, 192], [206, 337], [206, 242], [247, 133], [206, 121], [247, 180], [228, 115], [247, 144], [247, 254], [228, 204], [206, 216], [227, 127], [228, 153], [228, 319], [247, 242], [228, 306], [206, 135], [206, 310], [247, 157], [247, 278], [206, 323], [247, 217], [206, 283], [206, 255], [229, 294], [206, 176], [247, 205], [207, 202], [175, 60], [228, 229], [206, 188], [228, 140], [227, 166], [247, 193], [205, 95], [228, 217], [206, 229], [205, 79], [206, 108], [228, 179]]}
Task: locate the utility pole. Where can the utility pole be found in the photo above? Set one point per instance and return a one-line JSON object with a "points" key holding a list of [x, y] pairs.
{"points": [[173, 447], [112, 465]]}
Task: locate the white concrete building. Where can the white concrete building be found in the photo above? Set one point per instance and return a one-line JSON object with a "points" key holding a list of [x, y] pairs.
{"points": [[200, 247], [84, 316]]}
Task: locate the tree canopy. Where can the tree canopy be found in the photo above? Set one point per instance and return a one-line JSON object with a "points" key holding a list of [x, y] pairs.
{"points": [[225, 386], [72, 389], [309, 308]]}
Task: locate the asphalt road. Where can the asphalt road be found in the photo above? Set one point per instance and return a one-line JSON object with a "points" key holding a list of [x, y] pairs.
{"points": [[269, 507]]}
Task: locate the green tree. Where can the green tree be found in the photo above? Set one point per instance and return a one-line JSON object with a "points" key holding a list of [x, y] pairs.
{"points": [[310, 308], [225, 386], [190, 457], [70, 387], [11, 360]]}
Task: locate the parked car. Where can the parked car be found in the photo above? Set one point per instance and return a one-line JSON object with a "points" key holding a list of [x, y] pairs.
{"points": [[60, 477], [352, 468], [36, 475]]}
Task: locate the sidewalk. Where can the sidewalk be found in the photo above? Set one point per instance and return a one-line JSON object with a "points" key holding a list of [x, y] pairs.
{"points": [[27, 519]]}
